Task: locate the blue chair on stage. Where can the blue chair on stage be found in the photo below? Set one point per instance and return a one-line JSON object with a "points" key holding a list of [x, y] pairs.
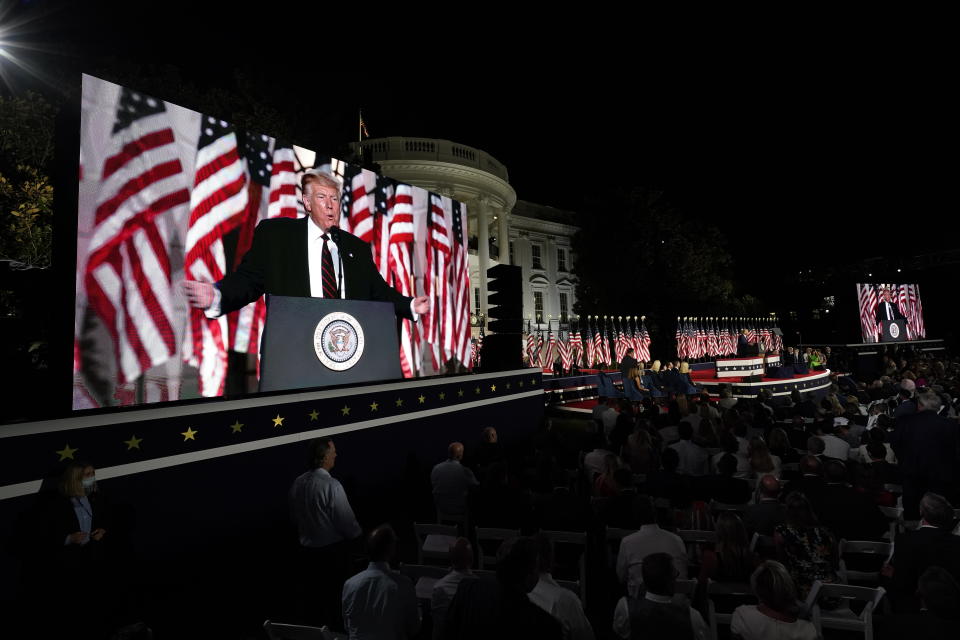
{"points": [[647, 381], [632, 393], [605, 386]]}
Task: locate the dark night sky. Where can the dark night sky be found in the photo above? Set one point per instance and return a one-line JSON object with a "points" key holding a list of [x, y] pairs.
{"points": [[838, 144]]}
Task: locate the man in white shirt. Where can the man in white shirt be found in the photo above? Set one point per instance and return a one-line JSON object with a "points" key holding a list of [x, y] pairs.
{"points": [[379, 603], [834, 447], [650, 538], [444, 589], [693, 457], [303, 257], [326, 525], [451, 481], [559, 602]]}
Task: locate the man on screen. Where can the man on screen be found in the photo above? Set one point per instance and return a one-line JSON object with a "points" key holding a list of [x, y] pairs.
{"points": [[303, 257], [887, 308]]}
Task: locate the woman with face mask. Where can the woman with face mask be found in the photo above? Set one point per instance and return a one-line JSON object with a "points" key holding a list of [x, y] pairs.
{"points": [[80, 516]]}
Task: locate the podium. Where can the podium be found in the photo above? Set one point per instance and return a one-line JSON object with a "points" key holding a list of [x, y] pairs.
{"points": [[319, 342], [894, 331]]}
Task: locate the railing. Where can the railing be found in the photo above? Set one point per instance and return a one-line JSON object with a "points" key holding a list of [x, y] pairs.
{"points": [[401, 148]]}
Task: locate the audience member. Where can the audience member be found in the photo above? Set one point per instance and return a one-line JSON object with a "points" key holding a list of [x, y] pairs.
{"points": [[762, 462], [693, 457], [926, 447], [379, 603], [724, 486], [488, 451], [500, 607], [650, 538], [617, 511], [731, 446], [939, 615], [604, 485], [497, 504], [776, 614], [932, 543], [451, 481], [764, 516], [594, 461], [559, 602], [669, 484], [810, 550], [731, 559], [657, 613], [326, 525], [878, 436], [779, 444], [640, 453], [833, 446], [848, 513], [444, 589]]}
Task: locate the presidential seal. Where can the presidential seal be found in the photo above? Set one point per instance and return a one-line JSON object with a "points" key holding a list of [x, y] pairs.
{"points": [[894, 330], [338, 341]]}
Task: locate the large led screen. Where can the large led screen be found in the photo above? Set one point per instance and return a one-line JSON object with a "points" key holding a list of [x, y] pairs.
{"points": [[167, 194], [879, 302]]}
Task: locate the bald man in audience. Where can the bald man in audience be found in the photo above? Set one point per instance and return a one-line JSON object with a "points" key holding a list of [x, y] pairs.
{"points": [[451, 482], [768, 512]]}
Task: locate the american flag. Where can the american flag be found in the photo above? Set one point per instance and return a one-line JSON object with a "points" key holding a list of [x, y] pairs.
{"points": [[867, 296], [384, 195], [271, 193], [217, 204], [590, 346], [608, 346], [681, 347], [564, 348], [459, 334], [437, 276], [622, 345], [576, 346], [538, 350], [356, 216], [531, 348], [550, 354], [643, 344], [921, 330], [127, 276], [400, 273], [477, 349]]}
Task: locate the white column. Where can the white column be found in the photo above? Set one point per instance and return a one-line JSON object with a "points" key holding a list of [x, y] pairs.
{"points": [[483, 250], [503, 237]]}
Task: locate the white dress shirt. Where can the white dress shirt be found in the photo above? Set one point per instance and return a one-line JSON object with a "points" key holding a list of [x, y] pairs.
{"points": [[320, 508], [637, 546], [751, 624], [380, 604], [693, 458], [315, 259], [442, 595], [834, 447], [564, 605], [621, 616]]}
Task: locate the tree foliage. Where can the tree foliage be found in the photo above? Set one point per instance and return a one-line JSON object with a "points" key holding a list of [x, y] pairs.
{"points": [[637, 254], [26, 192]]}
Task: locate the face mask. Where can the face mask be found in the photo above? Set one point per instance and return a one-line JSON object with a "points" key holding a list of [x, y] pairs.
{"points": [[89, 482]]}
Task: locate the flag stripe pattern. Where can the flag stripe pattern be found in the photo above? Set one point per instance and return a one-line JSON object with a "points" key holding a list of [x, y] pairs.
{"points": [[127, 275]]}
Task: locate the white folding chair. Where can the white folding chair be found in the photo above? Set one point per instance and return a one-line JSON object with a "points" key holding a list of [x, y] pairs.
{"points": [[577, 539], [488, 534], [278, 631], [613, 537], [879, 549], [843, 618], [740, 590], [423, 577], [434, 541]]}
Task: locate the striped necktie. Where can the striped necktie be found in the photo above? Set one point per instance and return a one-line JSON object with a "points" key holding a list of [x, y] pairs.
{"points": [[329, 275]]}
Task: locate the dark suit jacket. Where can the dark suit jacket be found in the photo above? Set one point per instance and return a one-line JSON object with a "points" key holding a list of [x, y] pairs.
{"points": [[626, 364], [926, 448], [850, 514], [277, 264], [882, 311], [914, 552]]}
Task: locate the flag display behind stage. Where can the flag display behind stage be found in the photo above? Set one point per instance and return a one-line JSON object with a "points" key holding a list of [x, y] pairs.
{"points": [[168, 194], [891, 302]]}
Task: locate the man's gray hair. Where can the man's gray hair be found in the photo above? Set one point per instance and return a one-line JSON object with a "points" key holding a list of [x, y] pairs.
{"points": [[936, 510], [929, 401], [320, 177]]}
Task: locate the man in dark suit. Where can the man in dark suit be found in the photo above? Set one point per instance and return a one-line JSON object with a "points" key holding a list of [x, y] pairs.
{"points": [[932, 543], [627, 363], [303, 257], [887, 308], [926, 448], [769, 511], [847, 512]]}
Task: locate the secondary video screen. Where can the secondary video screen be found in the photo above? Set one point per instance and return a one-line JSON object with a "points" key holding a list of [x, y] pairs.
{"points": [[879, 302], [168, 195]]}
